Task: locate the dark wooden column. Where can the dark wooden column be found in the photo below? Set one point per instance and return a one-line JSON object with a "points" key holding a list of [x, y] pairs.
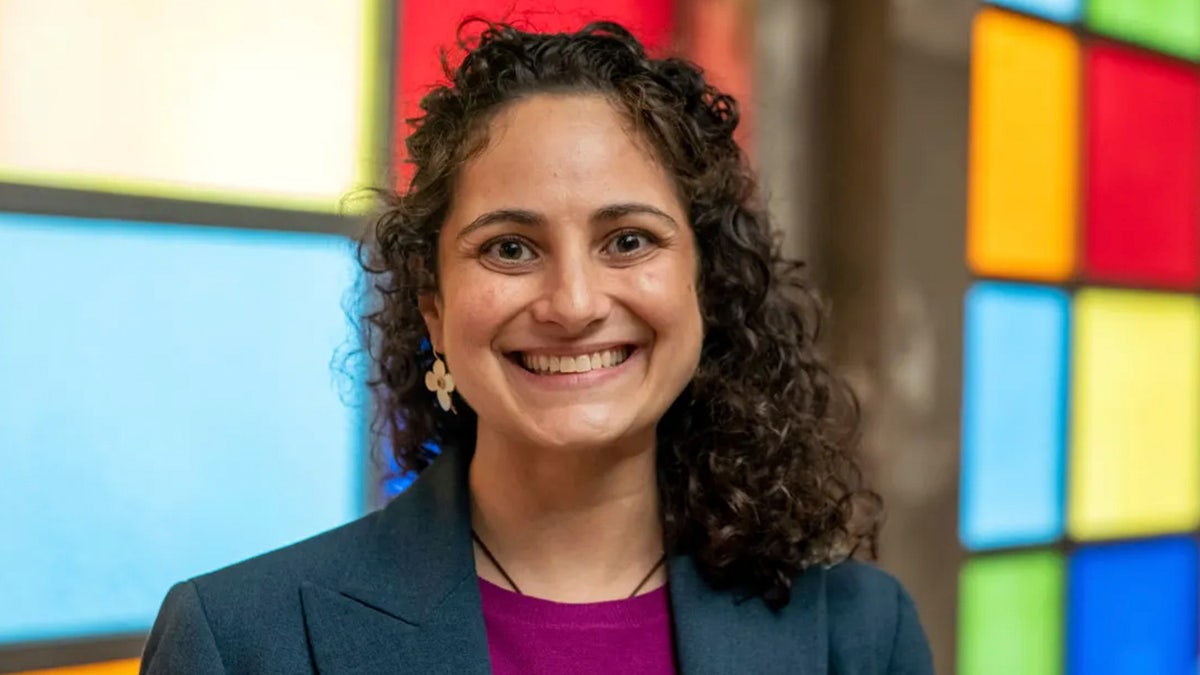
{"points": [[850, 233]]}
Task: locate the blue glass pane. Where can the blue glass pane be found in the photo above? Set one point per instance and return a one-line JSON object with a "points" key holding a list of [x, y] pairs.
{"points": [[1014, 415], [1062, 11], [167, 406], [396, 481], [1132, 609]]}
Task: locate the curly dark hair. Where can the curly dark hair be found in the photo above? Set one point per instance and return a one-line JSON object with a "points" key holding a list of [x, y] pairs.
{"points": [[755, 458]]}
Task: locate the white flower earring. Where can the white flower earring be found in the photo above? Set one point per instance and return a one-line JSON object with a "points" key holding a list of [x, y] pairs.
{"points": [[441, 383]]}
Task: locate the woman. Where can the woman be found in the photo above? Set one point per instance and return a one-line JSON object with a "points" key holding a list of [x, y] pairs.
{"points": [[645, 467]]}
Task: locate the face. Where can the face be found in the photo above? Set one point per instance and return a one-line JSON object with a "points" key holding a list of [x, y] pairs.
{"points": [[567, 308]]}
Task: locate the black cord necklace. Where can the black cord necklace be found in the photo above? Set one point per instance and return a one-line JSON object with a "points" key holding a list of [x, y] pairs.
{"points": [[500, 568]]}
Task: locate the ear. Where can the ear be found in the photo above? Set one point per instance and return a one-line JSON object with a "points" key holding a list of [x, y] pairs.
{"points": [[430, 305]]}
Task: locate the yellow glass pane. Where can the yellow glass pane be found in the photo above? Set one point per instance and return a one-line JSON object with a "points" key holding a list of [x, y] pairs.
{"points": [[125, 667], [243, 101], [1134, 466], [1024, 129]]}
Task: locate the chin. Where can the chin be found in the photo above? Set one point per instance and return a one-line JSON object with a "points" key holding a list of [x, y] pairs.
{"points": [[579, 432], [575, 440]]}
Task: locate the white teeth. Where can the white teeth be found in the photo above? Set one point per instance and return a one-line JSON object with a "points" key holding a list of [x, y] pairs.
{"points": [[583, 363]]}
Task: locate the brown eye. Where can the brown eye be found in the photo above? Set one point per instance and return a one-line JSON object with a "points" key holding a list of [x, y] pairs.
{"points": [[508, 251], [629, 243]]}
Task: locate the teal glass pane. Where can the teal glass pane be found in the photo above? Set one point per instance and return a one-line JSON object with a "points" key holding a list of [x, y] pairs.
{"points": [[1014, 415], [1061, 11], [1171, 26], [167, 407]]}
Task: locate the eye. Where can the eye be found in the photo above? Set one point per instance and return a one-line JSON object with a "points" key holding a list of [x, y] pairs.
{"points": [[629, 243], [508, 251]]}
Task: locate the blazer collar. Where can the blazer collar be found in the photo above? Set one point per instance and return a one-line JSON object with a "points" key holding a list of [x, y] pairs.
{"points": [[420, 550], [719, 632], [409, 599], [412, 599]]}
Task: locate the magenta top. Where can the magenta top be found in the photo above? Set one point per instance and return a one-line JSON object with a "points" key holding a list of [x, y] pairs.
{"points": [[531, 636]]}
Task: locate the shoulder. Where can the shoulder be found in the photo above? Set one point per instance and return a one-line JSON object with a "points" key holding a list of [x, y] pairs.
{"points": [[860, 589], [872, 617], [318, 559], [248, 616], [268, 585], [251, 616]]}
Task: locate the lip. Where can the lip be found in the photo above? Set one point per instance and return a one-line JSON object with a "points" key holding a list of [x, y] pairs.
{"points": [[563, 381], [575, 350]]}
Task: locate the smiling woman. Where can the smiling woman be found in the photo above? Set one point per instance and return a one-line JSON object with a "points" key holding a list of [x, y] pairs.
{"points": [[581, 305], [562, 242]]}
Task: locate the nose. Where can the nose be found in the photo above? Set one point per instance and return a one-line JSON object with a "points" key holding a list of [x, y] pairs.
{"points": [[573, 296]]}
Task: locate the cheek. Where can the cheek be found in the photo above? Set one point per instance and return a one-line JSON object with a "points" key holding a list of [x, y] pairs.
{"points": [[669, 298], [473, 310]]}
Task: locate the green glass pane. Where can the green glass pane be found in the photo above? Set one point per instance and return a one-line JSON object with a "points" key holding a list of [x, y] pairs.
{"points": [[1171, 26], [1010, 616]]}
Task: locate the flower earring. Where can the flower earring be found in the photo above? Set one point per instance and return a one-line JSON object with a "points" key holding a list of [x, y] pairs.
{"points": [[441, 383]]}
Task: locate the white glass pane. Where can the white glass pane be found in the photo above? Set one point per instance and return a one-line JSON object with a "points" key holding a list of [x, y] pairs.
{"points": [[233, 100]]}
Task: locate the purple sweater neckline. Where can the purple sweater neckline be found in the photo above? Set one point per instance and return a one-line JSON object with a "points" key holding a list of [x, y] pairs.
{"points": [[509, 605]]}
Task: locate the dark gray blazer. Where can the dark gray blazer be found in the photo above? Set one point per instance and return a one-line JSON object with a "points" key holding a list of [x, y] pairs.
{"points": [[396, 592]]}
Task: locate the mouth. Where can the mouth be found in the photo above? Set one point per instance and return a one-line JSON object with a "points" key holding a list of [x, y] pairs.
{"points": [[567, 364]]}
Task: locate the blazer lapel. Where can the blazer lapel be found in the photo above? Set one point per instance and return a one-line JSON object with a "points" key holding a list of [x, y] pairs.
{"points": [[716, 632], [410, 601]]}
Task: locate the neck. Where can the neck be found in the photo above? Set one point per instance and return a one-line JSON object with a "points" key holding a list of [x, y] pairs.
{"points": [[579, 525]]}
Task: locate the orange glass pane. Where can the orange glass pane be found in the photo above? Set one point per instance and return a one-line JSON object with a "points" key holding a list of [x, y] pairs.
{"points": [[124, 667], [1024, 146]]}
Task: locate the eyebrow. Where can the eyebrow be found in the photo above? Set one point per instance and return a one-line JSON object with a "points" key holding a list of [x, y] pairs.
{"points": [[608, 212]]}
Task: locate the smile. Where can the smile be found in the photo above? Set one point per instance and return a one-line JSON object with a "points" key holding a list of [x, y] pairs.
{"points": [[545, 364]]}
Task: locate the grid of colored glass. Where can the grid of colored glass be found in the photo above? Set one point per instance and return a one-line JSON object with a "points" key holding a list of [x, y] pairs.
{"points": [[169, 395], [1080, 483]]}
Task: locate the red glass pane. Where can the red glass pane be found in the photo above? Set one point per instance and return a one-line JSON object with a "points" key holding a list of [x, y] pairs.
{"points": [[1142, 169], [425, 27], [718, 35]]}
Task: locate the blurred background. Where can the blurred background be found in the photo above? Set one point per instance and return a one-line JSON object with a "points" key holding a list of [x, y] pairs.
{"points": [[1002, 202]]}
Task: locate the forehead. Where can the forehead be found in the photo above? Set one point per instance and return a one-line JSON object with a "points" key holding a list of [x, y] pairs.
{"points": [[548, 150]]}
